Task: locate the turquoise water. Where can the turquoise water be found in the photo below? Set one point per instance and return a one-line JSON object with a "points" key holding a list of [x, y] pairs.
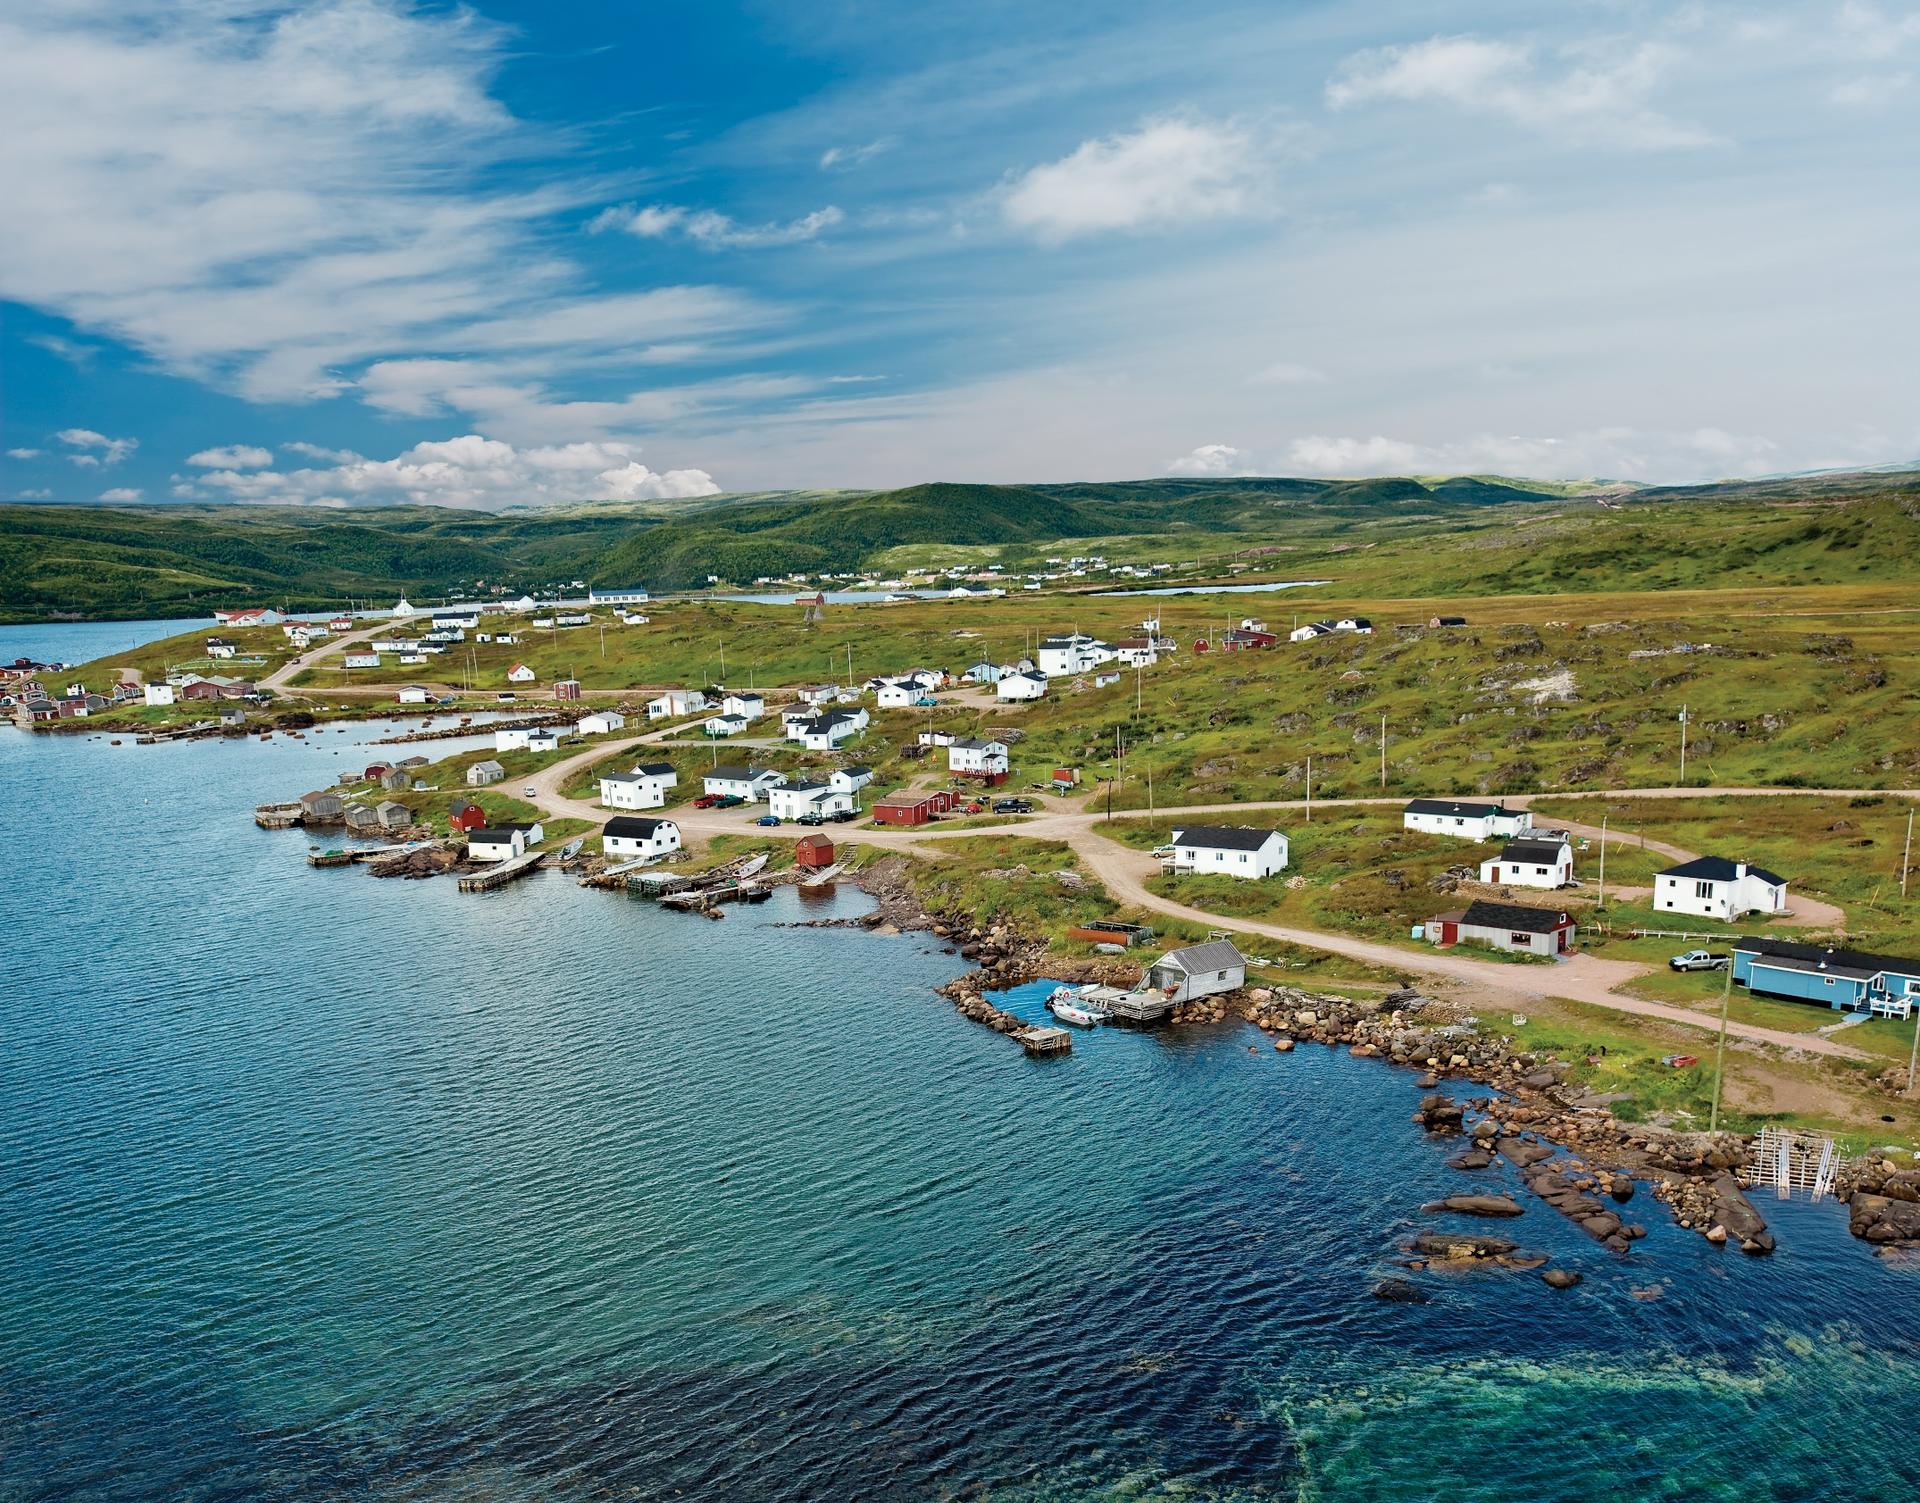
{"points": [[314, 1186]]}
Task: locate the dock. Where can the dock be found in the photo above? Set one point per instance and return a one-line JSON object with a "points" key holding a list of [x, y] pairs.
{"points": [[1128, 1006], [1040, 1043], [707, 900], [350, 856], [278, 816], [502, 874]]}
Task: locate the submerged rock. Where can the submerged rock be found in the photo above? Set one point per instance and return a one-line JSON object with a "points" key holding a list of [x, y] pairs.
{"points": [[1398, 1291], [1560, 1278]]}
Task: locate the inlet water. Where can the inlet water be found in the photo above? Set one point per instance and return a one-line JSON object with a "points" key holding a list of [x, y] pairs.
{"points": [[316, 1186]]}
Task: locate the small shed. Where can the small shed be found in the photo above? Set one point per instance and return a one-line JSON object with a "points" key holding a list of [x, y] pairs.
{"points": [[397, 779], [812, 852], [1198, 971], [322, 807], [485, 772], [466, 815], [393, 816], [567, 688]]}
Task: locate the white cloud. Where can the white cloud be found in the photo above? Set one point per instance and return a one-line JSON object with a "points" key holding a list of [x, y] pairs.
{"points": [[468, 471], [1287, 373], [1598, 94], [233, 457], [122, 493], [1601, 453], [39, 493], [844, 158], [1870, 90], [1168, 172], [708, 228], [91, 449], [23, 453], [319, 451], [1210, 459]]}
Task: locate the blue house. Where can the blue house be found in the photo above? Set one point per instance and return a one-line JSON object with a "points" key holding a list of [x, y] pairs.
{"points": [[1848, 980]]}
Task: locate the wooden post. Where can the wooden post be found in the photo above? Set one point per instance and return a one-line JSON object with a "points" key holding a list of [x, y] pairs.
{"points": [[1383, 754], [1720, 1050], [1683, 746], [1603, 868], [1906, 864]]}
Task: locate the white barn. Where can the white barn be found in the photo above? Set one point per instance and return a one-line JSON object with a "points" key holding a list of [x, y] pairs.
{"points": [[630, 837], [643, 788], [502, 842]]}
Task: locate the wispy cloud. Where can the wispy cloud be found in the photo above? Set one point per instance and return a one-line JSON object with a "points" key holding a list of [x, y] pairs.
{"points": [[1210, 459], [92, 450], [1601, 93], [708, 228], [845, 158], [1166, 173], [233, 457]]}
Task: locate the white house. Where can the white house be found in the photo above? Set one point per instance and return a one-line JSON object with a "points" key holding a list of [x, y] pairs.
{"points": [[220, 647], [411, 659], [825, 732], [629, 837], [819, 694], [1314, 629], [1137, 652], [1198, 971], [730, 780], [573, 618], [643, 788], [1542, 858], [391, 644], [724, 725], [512, 738], [158, 694], [617, 595], [849, 779], [749, 706], [485, 773], [600, 723], [412, 694], [502, 842], [1071, 654], [1466, 819], [976, 757], [362, 660], [463, 618], [897, 694], [1230, 850], [792, 800], [520, 673], [1023, 684], [543, 738], [1715, 887], [258, 615], [675, 703]]}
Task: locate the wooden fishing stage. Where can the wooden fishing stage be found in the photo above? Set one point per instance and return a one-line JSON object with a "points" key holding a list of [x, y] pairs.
{"points": [[502, 874]]}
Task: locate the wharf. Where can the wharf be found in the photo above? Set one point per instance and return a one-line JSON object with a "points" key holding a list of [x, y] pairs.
{"points": [[278, 816], [352, 855], [468, 728], [501, 875], [1129, 1006], [707, 900], [1040, 1042]]}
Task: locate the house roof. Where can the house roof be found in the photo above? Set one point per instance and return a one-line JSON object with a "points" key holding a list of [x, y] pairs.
{"points": [[634, 827], [1719, 869], [974, 743], [856, 769], [655, 769], [1448, 806], [500, 834], [486, 764], [1214, 955], [1223, 837], [1516, 916], [1544, 851]]}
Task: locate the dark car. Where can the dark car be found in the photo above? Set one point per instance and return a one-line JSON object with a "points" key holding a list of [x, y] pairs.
{"points": [[1013, 806], [811, 819], [843, 816]]}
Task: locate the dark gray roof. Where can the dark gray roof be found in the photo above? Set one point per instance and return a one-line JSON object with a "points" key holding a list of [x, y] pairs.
{"points": [[1448, 806], [494, 834], [1223, 837], [655, 769], [1856, 963], [1719, 869], [1518, 916], [634, 827], [1214, 955], [1545, 852], [733, 772], [974, 743]]}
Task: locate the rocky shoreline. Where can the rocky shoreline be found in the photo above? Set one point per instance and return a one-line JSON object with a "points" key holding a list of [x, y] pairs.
{"points": [[1570, 1150]]}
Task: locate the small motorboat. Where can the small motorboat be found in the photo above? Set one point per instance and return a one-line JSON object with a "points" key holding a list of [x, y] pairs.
{"points": [[1069, 1007]]}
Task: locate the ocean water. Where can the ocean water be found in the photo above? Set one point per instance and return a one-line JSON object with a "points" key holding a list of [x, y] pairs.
{"points": [[76, 642], [314, 1186]]}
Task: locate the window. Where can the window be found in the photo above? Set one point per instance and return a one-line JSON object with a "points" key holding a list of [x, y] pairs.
{"points": [[1523, 940], [1703, 889]]}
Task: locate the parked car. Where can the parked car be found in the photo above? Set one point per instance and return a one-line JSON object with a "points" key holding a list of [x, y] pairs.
{"points": [[1013, 806], [708, 800], [506, 696], [1679, 1061], [530, 791], [1698, 960], [1163, 853], [843, 816], [976, 807], [731, 801], [768, 819], [811, 819]]}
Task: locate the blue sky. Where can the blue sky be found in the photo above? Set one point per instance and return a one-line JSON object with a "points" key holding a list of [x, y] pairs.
{"points": [[362, 252]]}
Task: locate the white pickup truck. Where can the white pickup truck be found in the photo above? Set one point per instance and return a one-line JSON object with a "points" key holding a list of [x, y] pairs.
{"points": [[1698, 960]]}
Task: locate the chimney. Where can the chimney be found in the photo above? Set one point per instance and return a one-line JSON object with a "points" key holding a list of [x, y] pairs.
{"points": [[1739, 870]]}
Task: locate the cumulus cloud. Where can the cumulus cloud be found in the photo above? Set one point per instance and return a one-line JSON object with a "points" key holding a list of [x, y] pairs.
{"points": [[1602, 453], [1599, 95], [709, 228], [23, 453], [1168, 172], [467, 471], [233, 457], [122, 493], [1210, 459], [91, 450]]}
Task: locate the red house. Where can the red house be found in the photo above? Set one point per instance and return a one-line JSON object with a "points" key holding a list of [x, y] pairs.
{"points": [[913, 807], [812, 852], [567, 688], [466, 815]]}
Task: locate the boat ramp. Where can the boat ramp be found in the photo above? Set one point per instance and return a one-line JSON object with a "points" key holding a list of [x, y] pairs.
{"points": [[501, 874]]}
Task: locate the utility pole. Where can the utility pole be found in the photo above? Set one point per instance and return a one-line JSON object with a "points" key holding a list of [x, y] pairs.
{"points": [[1720, 1050], [723, 660], [1683, 746], [603, 642], [1150, 792], [1603, 869], [1906, 864], [1309, 787], [1383, 754]]}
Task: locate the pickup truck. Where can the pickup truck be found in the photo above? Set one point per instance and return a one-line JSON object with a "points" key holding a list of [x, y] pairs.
{"points": [[1698, 960]]}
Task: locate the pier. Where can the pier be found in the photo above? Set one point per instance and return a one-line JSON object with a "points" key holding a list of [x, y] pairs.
{"points": [[350, 856], [1041, 1043], [1129, 1006], [502, 874], [278, 816]]}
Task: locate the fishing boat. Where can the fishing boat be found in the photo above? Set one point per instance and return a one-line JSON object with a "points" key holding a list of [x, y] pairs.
{"points": [[1069, 1007], [896, 596], [572, 848]]}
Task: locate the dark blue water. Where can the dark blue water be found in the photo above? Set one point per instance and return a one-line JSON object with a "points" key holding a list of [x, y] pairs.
{"points": [[76, 642], [314, 1186]]}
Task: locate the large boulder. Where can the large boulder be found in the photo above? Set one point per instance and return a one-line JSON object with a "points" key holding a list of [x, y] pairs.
{"points": [[1476, 1205]]}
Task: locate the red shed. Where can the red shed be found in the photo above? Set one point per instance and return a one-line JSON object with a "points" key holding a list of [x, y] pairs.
{"points": [[912, 807], [376, 771], [466, 815], [812, 852], [567, 688]]}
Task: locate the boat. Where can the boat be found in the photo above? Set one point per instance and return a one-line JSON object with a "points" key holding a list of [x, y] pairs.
{"points": [[1067, 1005], [894, 596], [572, 848]]}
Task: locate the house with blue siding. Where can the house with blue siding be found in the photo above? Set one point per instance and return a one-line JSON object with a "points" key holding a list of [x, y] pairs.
{"points": [[1847, 980]]}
